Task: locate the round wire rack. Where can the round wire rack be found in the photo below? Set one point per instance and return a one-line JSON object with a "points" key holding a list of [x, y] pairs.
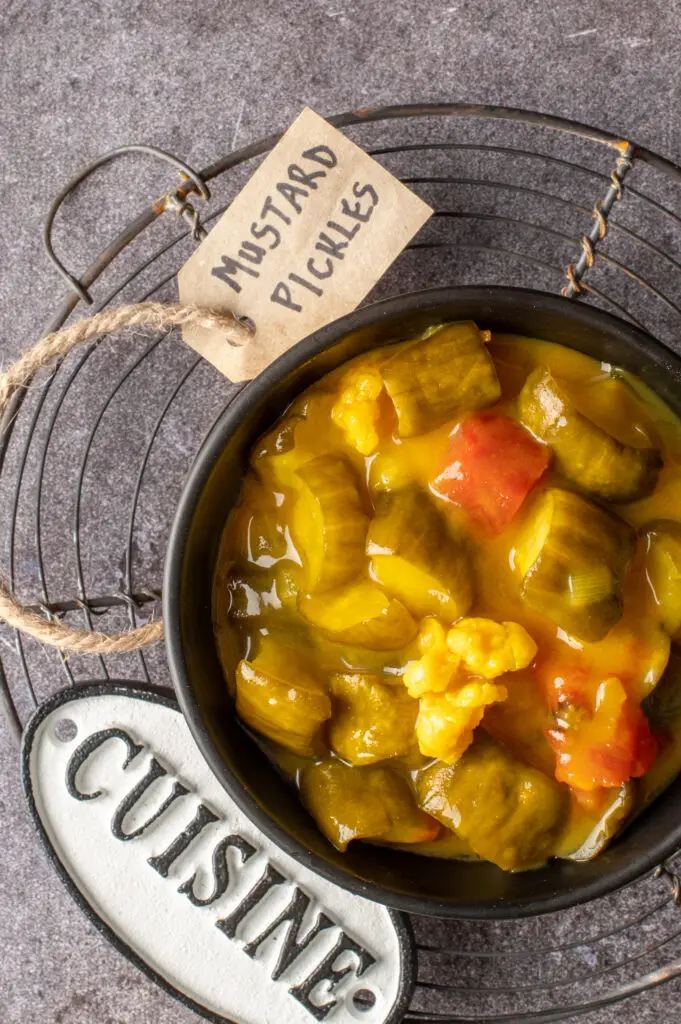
{"points": [[93, 455]]}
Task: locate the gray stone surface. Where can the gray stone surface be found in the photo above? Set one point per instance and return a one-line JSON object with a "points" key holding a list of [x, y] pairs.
{"points": [[77, 79]]}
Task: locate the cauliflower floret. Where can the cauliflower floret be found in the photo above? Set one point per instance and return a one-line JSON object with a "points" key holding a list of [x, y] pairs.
{"points": [[445, 722], [356, 410], [436, 669], [489, 648]]}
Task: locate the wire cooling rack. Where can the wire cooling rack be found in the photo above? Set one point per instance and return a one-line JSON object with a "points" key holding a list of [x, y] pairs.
{"points": [[93, 455]]}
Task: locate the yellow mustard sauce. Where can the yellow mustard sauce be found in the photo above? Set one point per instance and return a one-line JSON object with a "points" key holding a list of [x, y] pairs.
{"points": [[265, 604]]}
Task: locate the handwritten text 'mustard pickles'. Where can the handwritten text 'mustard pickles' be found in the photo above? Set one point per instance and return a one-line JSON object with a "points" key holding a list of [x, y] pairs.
{"points": [[287, 201]]}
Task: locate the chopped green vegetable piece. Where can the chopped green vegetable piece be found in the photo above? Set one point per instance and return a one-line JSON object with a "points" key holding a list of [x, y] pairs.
{"points": [[417, 558], [277, 695], [363, 803], [371, 721], [281, 438], [506, 811], [662, 706], [257, 525], [433, 381], [360, 614], [250, 595], [573, 557], [584, 453], [329, 524], [616, 811], [663, 567]]}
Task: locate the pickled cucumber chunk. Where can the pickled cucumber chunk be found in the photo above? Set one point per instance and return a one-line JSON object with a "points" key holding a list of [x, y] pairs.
{"points": [[573, 557], [506, 811], [363, 803], [258, 529], [584, 453], [250, 595], [281, 439], [278, 696], [618, 805], [371, 721], [662, 706], [663, 710], [264, 598], [432, 381], [416, 557], [663, 567], [329, 525], [360, 614]]}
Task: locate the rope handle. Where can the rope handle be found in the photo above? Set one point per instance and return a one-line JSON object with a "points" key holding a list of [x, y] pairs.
{"points": [[157, 316]]}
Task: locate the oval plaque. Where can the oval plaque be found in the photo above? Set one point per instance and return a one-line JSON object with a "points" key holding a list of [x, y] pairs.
{"points": [[184, 884]]}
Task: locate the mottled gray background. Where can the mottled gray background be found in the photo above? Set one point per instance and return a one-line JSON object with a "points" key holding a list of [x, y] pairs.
{"points": [[77, 78]]}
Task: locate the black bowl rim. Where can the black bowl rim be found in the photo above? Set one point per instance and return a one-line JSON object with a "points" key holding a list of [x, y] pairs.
{"points": [[207, 457]]}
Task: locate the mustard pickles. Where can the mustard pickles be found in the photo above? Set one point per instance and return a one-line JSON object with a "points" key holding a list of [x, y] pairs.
{"points": [[456, 685]]}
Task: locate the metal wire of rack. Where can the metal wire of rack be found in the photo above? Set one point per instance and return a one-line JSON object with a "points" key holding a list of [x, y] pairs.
{"points": [[521, 199]]}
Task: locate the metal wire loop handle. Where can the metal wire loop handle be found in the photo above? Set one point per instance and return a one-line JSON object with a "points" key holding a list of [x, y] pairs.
{"points": [[174, 199], [48, 628]]}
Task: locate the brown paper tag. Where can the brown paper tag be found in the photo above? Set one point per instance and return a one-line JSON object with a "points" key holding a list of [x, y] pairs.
{"points": [[301, 245]]}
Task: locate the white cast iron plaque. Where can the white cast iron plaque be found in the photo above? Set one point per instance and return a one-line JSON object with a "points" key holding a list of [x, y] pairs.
{"points": [[186, 886]]}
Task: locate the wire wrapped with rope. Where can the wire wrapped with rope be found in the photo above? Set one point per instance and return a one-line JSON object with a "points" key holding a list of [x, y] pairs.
{"points": [[155, 316]]}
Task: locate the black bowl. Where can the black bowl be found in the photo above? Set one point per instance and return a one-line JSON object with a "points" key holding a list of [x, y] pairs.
{"points": [[404, 880]]}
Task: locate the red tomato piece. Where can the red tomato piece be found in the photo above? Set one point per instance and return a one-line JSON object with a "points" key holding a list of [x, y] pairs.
{"points": [[492, 464], [605, 745], [564, 679]]}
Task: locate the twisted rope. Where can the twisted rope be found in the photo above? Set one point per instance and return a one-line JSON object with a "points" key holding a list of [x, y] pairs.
{"points": [[158, 317]]}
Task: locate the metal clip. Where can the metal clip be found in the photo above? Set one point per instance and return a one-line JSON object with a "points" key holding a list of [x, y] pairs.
{"points": [[176, 201]]}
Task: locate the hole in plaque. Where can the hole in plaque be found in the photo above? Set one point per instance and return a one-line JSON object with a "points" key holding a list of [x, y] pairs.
{"points": [[65, 730], [364, 1000]]}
